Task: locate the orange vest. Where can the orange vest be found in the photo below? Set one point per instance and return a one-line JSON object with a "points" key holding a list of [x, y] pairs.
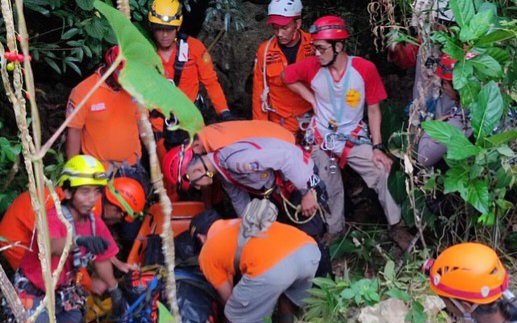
{"points": [[219, 135]]}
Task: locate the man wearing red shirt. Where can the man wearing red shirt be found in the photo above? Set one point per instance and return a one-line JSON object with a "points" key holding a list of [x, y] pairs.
{"points": [[340, 86]]}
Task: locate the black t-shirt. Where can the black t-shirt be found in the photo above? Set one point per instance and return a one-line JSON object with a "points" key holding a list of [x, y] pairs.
{"points": [[290, 52]]}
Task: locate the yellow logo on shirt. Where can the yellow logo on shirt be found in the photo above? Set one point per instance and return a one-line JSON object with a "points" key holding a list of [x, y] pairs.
{"points": [[353, 98]]}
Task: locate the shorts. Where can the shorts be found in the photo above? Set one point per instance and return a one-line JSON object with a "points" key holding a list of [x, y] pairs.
{"points": [[253, 299]]}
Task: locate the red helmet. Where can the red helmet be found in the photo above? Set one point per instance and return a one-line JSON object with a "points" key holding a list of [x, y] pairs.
{"points": [[445, 67], [110, 57], [127, 194], [174, 166], [328, 28]]}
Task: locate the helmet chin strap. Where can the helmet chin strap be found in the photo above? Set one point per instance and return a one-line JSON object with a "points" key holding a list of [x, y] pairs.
{"points": [[333, 60], [467, 316]]}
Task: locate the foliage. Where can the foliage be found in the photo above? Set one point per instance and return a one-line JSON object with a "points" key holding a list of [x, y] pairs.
{"points": [[480, 172], [142, 73], [331, 300], [10, 151], [70, 33], [227, 12]]}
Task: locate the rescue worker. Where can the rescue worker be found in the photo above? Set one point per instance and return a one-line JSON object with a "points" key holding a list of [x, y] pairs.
{"points": [[218, 135], [107, 129], [340, 85], [18, 223], [473, 283], [82, 180], [107, 126], [213, 137], [430, 152], [187, 63], [272, 99], [275, 262], [266, 168]]}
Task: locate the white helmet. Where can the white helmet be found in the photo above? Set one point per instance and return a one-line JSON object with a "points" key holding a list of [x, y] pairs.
{"points": [[285, 8]]}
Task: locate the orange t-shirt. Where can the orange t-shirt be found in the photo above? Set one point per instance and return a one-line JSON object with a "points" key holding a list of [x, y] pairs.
{"points": [[258, 255], [197, 68], [218, 135], [18, 225], [109, 122]]}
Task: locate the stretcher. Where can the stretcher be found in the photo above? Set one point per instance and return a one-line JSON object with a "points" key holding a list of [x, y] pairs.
{"points": [[182, 213]]}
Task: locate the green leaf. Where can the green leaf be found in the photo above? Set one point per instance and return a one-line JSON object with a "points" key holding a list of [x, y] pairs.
{"points": [[456, 180], [416, 314], [73, 66], [324, 282], [501, 138], [85, 4], [164, 315], [505, 151], [497, 35], [463, 11], [458, 146], [52, 64], [70, 33], [499, 54], [504, 205], [486, 66], [348, 293], [94, 28], [470, 91], [481, 23], [487, 219], [389, 270], [504, 178], [477, 195], [461, 73], [398, 294], [373, 296], [487, 112], [142, 75]]}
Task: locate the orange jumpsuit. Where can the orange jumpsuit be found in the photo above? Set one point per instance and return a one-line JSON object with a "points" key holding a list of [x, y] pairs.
{"points": [[287, 104], [198, 69]]}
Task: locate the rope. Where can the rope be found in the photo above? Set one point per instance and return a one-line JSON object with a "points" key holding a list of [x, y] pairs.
{"points": [[295, 218]]}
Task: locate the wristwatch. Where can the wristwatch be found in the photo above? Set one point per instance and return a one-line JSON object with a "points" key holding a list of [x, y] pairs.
{"points": [[379, 146]]}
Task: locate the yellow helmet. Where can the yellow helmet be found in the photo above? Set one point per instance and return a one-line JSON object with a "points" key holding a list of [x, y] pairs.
{"points": [[82, 170], [166, 13]]}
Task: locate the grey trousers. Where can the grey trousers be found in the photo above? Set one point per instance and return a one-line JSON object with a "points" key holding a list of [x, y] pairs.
{"points": [[360, 160]]}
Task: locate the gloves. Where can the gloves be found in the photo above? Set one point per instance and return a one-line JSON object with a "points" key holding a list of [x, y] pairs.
{"points": [[95, 245], [118, 302], [227, 115]]}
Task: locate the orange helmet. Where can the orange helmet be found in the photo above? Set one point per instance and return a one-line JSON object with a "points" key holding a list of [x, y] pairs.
{"points": [[174, 166], [468, 271], [445, 67], [127, 194]]}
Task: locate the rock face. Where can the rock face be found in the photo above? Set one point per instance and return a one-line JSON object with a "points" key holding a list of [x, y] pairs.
{"points": [[234, 55]]}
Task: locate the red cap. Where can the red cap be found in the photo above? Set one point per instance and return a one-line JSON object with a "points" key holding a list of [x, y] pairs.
{"points": [[279, 20]]}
